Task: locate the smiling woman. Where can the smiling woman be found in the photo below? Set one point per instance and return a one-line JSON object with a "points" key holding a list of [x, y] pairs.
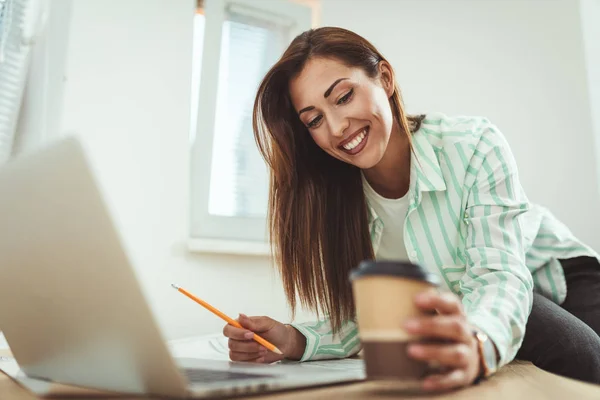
{"points": [[353, 177]]}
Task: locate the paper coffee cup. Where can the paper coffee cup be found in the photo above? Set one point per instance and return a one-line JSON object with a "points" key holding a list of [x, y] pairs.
{"points": [[384, 293]]}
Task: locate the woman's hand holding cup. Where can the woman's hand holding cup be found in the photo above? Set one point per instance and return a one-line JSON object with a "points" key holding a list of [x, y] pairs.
{"points": [[457, 352]]}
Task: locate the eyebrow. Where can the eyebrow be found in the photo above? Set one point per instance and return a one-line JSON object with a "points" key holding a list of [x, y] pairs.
{"points": [[326, 94], [306, 109], [328, 91]]}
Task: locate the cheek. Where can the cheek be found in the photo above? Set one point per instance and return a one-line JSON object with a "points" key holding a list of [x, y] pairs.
{"points": [[374, 106], [384, 110], [320, 138]]}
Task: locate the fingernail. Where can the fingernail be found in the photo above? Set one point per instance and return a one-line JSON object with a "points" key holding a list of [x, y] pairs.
{"points": [[428, 385], [415, 350], [243, 315], [249, 335], [262, 351], [424, 296], [261, 360], [411, 324]]}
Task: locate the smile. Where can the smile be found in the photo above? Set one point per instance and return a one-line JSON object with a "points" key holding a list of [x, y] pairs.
{"points": [[356, 143]]}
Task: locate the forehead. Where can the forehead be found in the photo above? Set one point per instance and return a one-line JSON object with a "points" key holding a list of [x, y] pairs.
{"points": [[318, 74]]}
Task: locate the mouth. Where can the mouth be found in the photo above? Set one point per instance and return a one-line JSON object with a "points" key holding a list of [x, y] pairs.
{"points": [[355, 143]]}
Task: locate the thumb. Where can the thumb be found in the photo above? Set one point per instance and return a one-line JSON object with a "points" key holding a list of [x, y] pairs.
{"points": [[255, 324]]}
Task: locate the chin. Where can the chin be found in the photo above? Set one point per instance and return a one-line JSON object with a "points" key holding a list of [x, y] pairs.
{"points": [[364, 160], [366, 165]]}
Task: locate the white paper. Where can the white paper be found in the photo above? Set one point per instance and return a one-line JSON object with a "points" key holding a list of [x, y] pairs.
{"points": [[209, 347], [10, 367], [3, 343]]}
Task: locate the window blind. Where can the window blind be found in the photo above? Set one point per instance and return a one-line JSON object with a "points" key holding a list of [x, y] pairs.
{"points": [[239, 180], [15, 19]]}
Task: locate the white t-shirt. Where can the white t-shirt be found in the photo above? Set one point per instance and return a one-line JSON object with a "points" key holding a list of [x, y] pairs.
{"points": [[392, 213]]}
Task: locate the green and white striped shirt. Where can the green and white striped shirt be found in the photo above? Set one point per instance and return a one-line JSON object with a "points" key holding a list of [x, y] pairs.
{"points": [[470, 222]]}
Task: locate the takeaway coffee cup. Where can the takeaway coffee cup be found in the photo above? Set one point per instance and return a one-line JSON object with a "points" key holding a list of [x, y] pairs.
{"points": [[384, 294]]}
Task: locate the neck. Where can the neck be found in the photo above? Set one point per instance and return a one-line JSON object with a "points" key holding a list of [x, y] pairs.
{"points": [[391, 176]]}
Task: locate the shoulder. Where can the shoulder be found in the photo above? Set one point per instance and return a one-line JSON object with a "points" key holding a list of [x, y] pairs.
{"points": [[469, 134]]}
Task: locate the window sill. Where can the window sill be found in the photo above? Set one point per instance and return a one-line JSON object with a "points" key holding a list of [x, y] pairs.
{"points": [[222, 246]]}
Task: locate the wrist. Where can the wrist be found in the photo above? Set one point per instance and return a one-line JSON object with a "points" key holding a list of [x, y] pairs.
{"points": [[296, 344]]}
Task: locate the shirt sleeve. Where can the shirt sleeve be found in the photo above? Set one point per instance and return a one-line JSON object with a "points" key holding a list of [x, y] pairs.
{"points": [[322, 344], [497, 287]]}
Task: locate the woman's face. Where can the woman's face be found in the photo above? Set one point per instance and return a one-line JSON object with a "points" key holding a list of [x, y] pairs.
{"points": [[347, 113]]}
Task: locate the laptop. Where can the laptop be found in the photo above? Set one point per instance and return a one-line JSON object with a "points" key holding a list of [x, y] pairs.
{"points": [[71, 308]]}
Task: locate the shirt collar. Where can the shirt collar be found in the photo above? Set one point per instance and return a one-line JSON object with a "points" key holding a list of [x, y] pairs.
{"points": [[425, 173]]}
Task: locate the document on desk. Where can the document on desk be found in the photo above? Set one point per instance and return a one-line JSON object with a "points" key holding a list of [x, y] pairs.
{"points": [[208, 347], [3, 342]]}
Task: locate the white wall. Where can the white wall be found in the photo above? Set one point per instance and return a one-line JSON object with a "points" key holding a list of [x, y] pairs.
{"points": [[128, 96], [590, 16], [128, 91], [518, 62]]}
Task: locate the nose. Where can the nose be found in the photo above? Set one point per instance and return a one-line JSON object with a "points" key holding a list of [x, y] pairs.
{"points": [[338, 125]]}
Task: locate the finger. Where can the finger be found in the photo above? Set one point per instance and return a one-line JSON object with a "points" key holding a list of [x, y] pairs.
{"points": [[451, 355], [444, 303], [246, 346], [451, 380], [247, 357], [271, 358], [256, 324], [232, 332], [441, 327]]}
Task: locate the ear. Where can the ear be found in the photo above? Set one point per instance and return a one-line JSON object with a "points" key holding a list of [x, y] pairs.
{"points": [[386, 77]]}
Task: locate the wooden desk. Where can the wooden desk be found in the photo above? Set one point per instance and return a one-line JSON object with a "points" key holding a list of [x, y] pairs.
{"points": [[519, 380]]}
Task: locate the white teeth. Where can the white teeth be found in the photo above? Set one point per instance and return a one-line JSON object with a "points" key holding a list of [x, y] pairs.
{"points": [[356, 141]]}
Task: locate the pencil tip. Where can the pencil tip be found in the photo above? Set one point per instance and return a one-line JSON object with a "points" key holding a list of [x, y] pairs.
{"points": [[276, 350], [175, 286]]}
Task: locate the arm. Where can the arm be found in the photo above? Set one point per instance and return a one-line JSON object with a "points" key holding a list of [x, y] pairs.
{"points": [[308, 341], [322, 344], [497, 287]]}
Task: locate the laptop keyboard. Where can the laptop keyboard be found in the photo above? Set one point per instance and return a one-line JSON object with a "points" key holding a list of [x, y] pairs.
{"points": [[197, 375]]}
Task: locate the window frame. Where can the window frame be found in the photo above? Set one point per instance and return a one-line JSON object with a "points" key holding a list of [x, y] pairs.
{"points": [[212, 233]]}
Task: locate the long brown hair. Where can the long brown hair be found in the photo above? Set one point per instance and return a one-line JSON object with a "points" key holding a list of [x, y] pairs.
{"points": [[317, 209]]}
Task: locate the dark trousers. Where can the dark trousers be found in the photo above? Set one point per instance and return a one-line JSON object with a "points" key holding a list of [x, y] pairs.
{"points": [[565, 339]]}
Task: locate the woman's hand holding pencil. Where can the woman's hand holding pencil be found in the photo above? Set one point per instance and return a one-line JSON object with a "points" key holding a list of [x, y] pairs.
{"points": [[243, 348], [256, 339]]}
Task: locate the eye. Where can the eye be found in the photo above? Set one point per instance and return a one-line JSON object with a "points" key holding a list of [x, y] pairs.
{"points": [[346, 97], [314, 122]]}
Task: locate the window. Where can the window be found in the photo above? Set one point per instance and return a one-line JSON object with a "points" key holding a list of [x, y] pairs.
{"points": [[236, 42], [15, 51]]}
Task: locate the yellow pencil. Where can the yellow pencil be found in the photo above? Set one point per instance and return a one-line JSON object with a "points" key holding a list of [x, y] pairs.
{"points": [[229, 320]]}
